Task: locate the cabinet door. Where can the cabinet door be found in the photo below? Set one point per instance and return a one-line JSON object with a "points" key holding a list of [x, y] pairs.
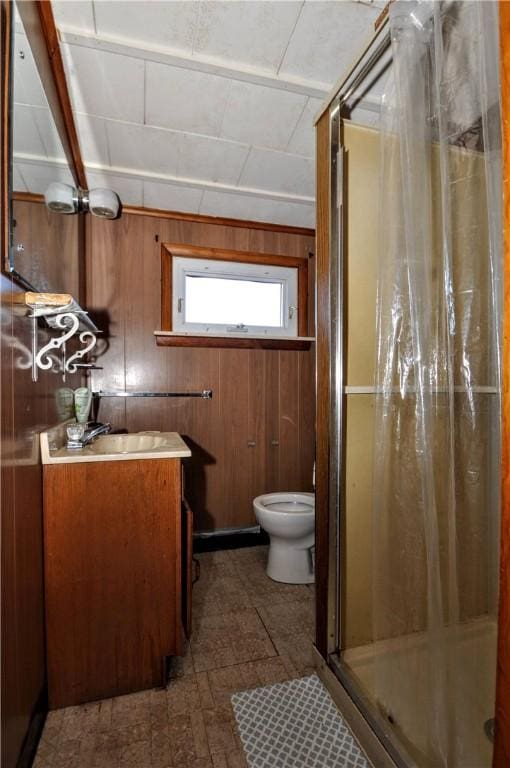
{"points": [[112, 538], [289, 449], [239, 451], [272, 421], [296, 420], [256, 468], [306, 403]]}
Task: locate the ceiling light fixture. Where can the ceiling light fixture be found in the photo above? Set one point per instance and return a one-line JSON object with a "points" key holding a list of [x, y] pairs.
{"points": [[62, 198]]}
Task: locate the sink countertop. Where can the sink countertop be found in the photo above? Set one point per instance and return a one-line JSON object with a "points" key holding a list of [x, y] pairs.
{"points": [[53, 450]]}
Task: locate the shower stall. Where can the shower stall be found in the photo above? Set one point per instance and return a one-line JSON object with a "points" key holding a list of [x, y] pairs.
{"points": [[409, 366]]}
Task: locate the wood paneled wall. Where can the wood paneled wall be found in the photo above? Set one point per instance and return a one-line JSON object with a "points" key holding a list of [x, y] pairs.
{"points": [[51, 259], [26, 408], [259, 396]]}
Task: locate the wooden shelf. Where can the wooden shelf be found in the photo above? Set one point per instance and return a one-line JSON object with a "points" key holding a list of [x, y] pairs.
{"points": [[169, 339], [49, 305]]}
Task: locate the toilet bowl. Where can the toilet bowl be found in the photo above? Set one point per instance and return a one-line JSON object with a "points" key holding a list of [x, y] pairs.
{"points": [[289, 519]]}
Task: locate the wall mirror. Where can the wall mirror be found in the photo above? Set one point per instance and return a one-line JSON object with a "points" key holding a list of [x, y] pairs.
{"points": [[44, 246]]}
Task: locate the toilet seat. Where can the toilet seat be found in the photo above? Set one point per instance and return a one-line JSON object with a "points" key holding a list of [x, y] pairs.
{"points": [[288, 502]]}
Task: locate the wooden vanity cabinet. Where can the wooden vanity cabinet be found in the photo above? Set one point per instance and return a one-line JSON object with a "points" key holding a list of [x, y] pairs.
{"points": [[115, 555]]}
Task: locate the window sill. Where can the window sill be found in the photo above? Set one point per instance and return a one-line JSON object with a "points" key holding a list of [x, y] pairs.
{"points": [[232, 341]]}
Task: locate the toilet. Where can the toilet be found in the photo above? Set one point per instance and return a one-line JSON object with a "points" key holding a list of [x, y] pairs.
{"points": [[289, 519]]}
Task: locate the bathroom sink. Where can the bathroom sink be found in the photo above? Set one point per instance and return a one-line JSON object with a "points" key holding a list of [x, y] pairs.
{"points": [[127, 443], [125, 447]]}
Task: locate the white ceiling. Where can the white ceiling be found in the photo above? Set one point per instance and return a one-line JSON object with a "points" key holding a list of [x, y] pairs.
{"points": [[206, 106]]}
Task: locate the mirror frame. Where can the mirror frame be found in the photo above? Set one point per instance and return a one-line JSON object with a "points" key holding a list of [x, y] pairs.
{"points": [[40, 29], [5, 160]]}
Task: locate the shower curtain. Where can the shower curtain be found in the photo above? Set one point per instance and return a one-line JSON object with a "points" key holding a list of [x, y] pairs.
{"points": [[437, 429]]}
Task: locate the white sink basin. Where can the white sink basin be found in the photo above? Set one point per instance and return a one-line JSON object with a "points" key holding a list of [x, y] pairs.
{"points": [[127, 443], [141, 445]]}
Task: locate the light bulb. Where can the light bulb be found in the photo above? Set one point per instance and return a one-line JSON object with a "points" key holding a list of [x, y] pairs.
{"points": [[103, 203], [61, 198]]}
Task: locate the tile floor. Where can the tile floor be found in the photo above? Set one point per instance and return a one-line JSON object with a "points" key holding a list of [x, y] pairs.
{"points": [[247, 631]]}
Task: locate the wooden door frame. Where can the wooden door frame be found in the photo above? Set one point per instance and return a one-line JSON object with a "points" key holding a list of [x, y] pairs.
{"points": [[502, 724]]}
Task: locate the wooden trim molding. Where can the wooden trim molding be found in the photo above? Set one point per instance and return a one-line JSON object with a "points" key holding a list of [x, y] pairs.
{"points": [[27, 197], [6, 32], [198, 218], [220, 221], [502, 729], [39, 24], [233, 342], [169, 250], [322, 362]]}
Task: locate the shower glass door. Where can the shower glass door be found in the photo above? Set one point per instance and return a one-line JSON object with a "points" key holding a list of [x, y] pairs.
{"points": [[418, 391]]}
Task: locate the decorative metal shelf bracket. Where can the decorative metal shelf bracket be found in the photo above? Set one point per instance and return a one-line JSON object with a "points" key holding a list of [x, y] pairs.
{"points": [[44, 358], [90, 341], [60, 313], [69, 324]]}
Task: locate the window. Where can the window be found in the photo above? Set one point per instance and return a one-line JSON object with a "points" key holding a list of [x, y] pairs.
{"points": [[222, 293], [212, 296], [233, 300]]}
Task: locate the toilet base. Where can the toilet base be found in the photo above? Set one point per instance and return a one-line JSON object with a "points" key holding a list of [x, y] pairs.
{"points": [[289, 564]]}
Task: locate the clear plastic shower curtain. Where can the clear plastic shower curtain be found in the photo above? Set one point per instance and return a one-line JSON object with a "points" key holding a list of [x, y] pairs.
{"points": [[436, 503]]}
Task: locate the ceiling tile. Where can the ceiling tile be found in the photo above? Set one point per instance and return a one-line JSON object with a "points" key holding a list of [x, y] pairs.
{"points": [[74, 14], [27, 83], [92, 138], [130, 191], [143, 148], [25, 135], [265, 117], [169, 25], [156, 150], [211, 159], [279, 172], [253, 33], [105, 84], [184, 99], [39, 177], [48, 132], [239, 206], [171, 197], [326, 38], [18, 183], [302, 141]]}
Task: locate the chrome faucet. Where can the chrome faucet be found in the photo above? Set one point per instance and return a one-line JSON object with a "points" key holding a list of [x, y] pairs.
{"points": [[91, 434], [93, 431]]}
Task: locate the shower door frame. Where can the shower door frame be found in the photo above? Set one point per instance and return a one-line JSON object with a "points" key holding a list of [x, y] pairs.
{"points": [[330, 501], [337, 398]]}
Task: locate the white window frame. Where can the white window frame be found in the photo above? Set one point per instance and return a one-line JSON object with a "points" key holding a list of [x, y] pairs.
{"points": [[234, 270]]}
